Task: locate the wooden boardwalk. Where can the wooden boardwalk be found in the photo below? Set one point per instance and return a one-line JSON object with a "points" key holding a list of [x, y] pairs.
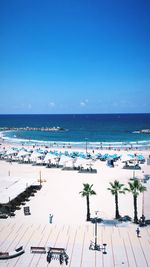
{"points": [[124, 248]]}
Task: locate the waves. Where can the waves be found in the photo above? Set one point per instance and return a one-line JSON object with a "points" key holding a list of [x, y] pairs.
{"points": [[82, 144], [93, 130]]}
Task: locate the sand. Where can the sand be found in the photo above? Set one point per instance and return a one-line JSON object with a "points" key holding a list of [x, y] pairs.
{"points": [[60, 192], [60, 196]]}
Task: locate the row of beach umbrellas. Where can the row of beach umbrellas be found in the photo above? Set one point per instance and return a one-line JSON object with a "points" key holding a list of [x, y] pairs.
{"points": [[41, 154]]}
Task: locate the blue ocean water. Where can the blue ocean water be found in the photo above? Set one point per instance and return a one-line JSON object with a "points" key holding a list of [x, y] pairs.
{"points": [[108, 129]]}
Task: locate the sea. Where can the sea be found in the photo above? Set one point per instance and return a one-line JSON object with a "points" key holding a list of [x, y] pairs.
{"points": [[94, 130]]}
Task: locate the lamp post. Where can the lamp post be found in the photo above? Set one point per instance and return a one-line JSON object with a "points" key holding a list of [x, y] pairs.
{"points": [[143, 198], [96, 230], [135, 160], [134, 170], [9, 208], [40, 180], [86, 145], [94, 245], [143, 204], [142, 218]]}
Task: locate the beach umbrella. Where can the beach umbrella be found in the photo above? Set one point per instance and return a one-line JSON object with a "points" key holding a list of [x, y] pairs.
{"points": [[11, 151], [126, 157], [69, 163], [66, 153], [113, 156], [63, 159], [140, 157], [49, 157], [23, 153], [98, 155], [2, 151], [89, 163], [80, 162], [35, 155], [56, 153], [104, 156], [82, 155]]}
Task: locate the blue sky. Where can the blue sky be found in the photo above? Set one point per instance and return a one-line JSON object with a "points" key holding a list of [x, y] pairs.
{"points": [[78, 56]]}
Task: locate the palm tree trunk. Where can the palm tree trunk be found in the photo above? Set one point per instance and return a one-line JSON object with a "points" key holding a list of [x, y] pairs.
{"points": [[117, 208], [135, 209], [88, 208]]}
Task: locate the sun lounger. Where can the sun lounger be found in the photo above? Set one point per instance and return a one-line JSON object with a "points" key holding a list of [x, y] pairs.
{"points": [[88, 170], [3, 216]]}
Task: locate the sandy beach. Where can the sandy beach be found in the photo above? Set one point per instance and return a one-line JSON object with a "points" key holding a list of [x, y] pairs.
{"points": [[60, 196], [74, 133]]}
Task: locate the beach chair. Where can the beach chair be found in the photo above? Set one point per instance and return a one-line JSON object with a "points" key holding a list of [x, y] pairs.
{"points": [[27, 210]]}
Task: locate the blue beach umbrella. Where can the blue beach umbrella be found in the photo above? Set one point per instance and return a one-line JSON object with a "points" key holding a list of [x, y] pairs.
{"points": [[140, 157], [98, 155]]}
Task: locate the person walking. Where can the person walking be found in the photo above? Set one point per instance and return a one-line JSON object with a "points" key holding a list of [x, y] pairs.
{"points": [[50, 218], [138, 232]]}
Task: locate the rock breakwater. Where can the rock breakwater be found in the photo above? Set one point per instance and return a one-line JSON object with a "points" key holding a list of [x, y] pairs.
{"points": [[46, 129], [143, 131]]}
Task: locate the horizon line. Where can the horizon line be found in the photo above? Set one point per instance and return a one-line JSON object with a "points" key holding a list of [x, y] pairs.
{"points": [[116, 113]]}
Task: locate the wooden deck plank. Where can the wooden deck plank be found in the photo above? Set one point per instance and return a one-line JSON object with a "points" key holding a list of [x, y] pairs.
{"points": [[25, 257], [19, 243], [145, 246], [124, 248], [118, 246], [77, 248], [128, 248], [89, 256], [136, 249], [4, 235], [39, 236]]}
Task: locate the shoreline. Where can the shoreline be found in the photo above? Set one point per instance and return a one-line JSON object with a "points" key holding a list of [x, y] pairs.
{"points": [[83, 145], [69, 147]]}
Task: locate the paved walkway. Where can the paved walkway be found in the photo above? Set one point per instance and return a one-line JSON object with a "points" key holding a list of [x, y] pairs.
{"points": [[124, 248]]}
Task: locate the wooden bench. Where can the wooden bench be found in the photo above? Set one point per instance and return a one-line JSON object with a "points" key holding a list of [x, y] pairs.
{"points": [[3, 254], [38, 250], [8, 255], [56, 250]]}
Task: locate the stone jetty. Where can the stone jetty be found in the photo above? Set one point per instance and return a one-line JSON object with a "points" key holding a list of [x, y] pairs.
{"points": [[46, 129], [146, 131]]}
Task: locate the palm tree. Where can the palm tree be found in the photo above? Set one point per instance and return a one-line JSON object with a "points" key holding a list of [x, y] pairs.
{"points": [[87, 192], [116, 188], [135, 187]]}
